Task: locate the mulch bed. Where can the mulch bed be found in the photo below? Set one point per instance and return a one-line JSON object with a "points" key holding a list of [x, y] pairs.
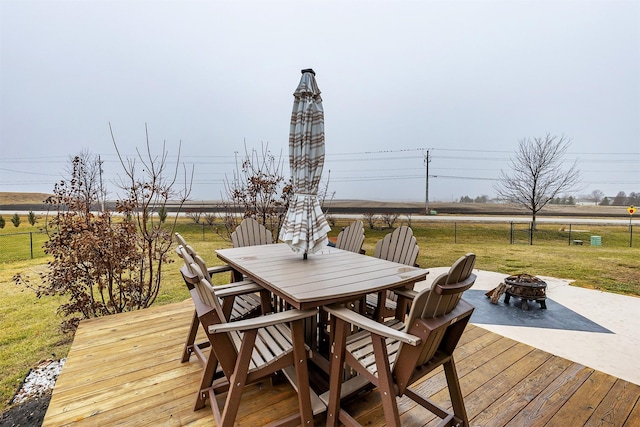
{"points": [[30, 403], [27, 414]]}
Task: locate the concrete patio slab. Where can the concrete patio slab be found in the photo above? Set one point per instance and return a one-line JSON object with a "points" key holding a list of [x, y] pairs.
{"points": [[597, 329]]}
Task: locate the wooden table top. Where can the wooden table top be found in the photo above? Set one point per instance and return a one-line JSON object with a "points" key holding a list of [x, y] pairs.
{"points": [[329, 276]]}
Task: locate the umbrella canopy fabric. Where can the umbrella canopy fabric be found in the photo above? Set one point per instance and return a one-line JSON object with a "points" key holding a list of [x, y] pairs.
{"points": [[305, 227]]}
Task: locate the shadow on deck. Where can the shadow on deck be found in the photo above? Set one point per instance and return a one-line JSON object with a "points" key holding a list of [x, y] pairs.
{"points": [[125, 369]]}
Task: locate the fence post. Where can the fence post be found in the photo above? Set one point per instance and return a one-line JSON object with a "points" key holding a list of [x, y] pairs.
{"points": [[511, 234], [455, 232], [569, 234], [630, 235], [31, 243]]}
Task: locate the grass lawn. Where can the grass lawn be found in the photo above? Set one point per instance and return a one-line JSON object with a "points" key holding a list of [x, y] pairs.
{"points": [[30, 333]]}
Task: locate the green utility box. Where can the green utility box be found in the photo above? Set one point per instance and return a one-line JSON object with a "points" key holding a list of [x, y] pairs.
{"points": [[596, 241]]}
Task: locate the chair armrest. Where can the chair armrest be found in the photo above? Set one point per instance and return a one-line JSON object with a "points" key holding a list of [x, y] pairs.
{"points": [[263, 321], [370, 325], [407, 293], [219, 269], [237, 288]]}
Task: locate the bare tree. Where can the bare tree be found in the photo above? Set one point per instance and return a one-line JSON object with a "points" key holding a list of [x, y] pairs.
{"points": [[87, 171], [537, 175], [596, 196], [147, 190]]}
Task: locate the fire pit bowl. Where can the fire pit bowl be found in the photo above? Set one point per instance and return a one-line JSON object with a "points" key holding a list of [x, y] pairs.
{"points": [[527, 288]]}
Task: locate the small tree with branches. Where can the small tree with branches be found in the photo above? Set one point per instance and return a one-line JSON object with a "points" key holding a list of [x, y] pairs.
{"points": [[537, 175], [596, 196], [93, 256], [32, 218], [257, 189], [148, 190], [107, 263]]}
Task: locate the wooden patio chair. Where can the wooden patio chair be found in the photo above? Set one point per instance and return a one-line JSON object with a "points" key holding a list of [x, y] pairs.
{"points": [[398, 246], [248, 351], [351, 238], [207, 270], [394, 355], [239, 300], [250, 233]]}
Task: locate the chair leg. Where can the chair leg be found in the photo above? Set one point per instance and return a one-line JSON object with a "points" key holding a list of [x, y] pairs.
{"points": [[227, 307], [265, 302], [208, 376], [238, 380], [191, 338], [302, 372], [339, 330], [385, 381], [457, 401]]}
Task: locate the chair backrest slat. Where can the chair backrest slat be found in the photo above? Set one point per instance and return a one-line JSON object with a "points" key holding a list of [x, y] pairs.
{"points": [[205, 299], [398, 246], [351, 238], [251, 233], [180, 239], [462, 268]]}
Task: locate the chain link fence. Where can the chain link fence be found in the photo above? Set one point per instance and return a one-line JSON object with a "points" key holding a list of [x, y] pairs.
{"points": [[22, 246], [29, 245]]}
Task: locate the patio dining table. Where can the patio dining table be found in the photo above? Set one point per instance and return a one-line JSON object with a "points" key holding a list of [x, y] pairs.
{"points": [[328, 276]]}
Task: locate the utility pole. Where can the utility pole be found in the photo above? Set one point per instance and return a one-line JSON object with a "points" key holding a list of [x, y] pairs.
{"points": [[101, 191], [427, 159]]}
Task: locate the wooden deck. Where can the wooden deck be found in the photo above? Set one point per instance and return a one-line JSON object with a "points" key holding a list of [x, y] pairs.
{"points": [[125, 370]]}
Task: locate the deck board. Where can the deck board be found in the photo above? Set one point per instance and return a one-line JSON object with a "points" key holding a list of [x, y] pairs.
{"points": [[126, 369]]}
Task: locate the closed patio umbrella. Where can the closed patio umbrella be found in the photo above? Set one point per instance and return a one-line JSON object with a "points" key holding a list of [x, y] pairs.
{"points": [[305, 227]]}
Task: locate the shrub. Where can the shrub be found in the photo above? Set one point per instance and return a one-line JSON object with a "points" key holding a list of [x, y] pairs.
{"points": [[194, 215], [94, 257], [370, 218], [104, 263], [2, 222], [15, 219], [210, 218], [390, 218]]}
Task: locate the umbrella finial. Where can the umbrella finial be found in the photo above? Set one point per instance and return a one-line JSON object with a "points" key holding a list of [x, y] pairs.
{"points": [[308, 70]]}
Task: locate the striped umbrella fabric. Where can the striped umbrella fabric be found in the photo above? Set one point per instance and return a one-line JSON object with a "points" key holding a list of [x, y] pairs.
{"points": [[305, 227]]}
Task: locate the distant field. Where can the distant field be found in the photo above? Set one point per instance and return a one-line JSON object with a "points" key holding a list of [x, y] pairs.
{"points": [[7, 198], [34, 201]]}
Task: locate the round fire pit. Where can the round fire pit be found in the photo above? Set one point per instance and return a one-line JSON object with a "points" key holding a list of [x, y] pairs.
{"points": [[527, 288]]}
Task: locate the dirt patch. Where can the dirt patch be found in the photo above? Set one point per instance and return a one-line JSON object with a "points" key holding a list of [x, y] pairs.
{"points": [[31, 401], [28, 414]]}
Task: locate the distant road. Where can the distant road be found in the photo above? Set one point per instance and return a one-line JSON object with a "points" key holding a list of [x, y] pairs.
{"points": [[516, 219], [456, 218]]}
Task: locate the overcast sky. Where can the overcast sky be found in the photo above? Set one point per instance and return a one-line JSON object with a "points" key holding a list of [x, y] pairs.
{"points": [[465, 80]]}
